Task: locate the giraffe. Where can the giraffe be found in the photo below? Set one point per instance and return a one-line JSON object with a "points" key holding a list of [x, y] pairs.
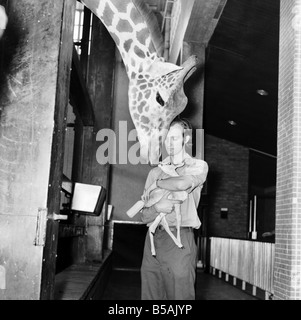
{"points": [[156, 95]]}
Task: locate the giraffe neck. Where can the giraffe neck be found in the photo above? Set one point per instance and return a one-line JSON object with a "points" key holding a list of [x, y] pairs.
{"points": [[129, 31]]}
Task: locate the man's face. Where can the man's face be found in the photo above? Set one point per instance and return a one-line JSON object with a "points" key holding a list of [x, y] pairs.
{"points": [[174, 141]]}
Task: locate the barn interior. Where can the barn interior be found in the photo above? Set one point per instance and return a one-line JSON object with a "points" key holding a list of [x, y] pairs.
{"points": [[64, 82]]}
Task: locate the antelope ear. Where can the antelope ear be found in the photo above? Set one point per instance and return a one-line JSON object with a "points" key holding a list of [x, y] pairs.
{"points": [[160, 68]]}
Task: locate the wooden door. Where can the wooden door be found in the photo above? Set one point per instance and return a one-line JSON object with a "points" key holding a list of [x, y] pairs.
{"points": [[36, 53]]}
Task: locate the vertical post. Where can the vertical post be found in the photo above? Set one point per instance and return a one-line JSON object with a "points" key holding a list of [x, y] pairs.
{"points": [[254, 232], [250, 219], [287, 267], [100, 79], [195, 90], [243, 285], [234, 281], [64, 55], [85, 42], [35, 71]]}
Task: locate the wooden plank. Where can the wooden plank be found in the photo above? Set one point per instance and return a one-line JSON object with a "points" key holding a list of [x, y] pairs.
{"points": [[194, 89], [74, 281], [79, 281], [67, 230], [101, 74], [78, 151], [57, 153], [79, 96], [84, 57], [100, 79]]}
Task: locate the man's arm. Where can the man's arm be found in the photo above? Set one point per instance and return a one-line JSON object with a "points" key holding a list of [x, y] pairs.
{"points": [[149, 214], [184, 183], [180, 183]]}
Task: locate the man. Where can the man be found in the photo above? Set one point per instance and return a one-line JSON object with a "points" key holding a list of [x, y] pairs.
{"points": [[171, 274]]}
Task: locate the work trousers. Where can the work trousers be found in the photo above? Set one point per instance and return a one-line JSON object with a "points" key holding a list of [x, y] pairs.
{"points": [[171, 274]]}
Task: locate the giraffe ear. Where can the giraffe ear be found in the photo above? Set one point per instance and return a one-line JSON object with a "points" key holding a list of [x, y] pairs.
{"points": [[160, 68]]}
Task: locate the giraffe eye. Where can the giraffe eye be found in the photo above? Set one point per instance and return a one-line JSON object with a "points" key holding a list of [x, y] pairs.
{"points": [[159, 99]]}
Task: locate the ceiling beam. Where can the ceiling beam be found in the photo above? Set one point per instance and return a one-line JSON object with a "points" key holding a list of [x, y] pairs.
{"points": [[195, 23], [181, 16], [203, 20]]}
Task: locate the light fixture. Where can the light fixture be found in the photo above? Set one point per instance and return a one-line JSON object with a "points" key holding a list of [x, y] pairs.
{"points": [[232, 122], [262, 92]]}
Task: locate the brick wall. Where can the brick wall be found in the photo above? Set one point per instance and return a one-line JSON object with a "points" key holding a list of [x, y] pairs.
{"points": [[287, 267], [227, 187]]}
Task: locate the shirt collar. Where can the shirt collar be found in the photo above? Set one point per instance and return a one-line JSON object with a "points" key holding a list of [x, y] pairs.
{"points": [[167, 162]]}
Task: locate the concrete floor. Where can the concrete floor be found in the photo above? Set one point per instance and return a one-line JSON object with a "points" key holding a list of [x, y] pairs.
{"points": [[125, 285]]}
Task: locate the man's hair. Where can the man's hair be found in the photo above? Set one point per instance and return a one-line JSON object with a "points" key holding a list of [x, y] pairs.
{"points": [[183, 122]]}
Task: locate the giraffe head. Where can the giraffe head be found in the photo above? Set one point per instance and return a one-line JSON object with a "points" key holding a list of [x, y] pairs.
{"points": [[156, 97], [156, 94]]}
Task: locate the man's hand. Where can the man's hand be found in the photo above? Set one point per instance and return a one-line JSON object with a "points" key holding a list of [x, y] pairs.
{"points": [[166, 205]]}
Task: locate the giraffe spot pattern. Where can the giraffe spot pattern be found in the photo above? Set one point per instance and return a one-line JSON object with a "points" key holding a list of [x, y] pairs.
{"points": [[160, 126], [142, 35], [124, 26], [108, 15], [136, 116], [139, 52], [141, 106], [127, 45], [135, 16], [139, 82], [116, 39], [139, 96], [147, 94], [145, 128], [121, 5], [143, 87], [144, 119]]}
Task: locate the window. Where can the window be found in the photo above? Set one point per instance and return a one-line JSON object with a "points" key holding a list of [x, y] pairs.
{"points": [[78, 27]]}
